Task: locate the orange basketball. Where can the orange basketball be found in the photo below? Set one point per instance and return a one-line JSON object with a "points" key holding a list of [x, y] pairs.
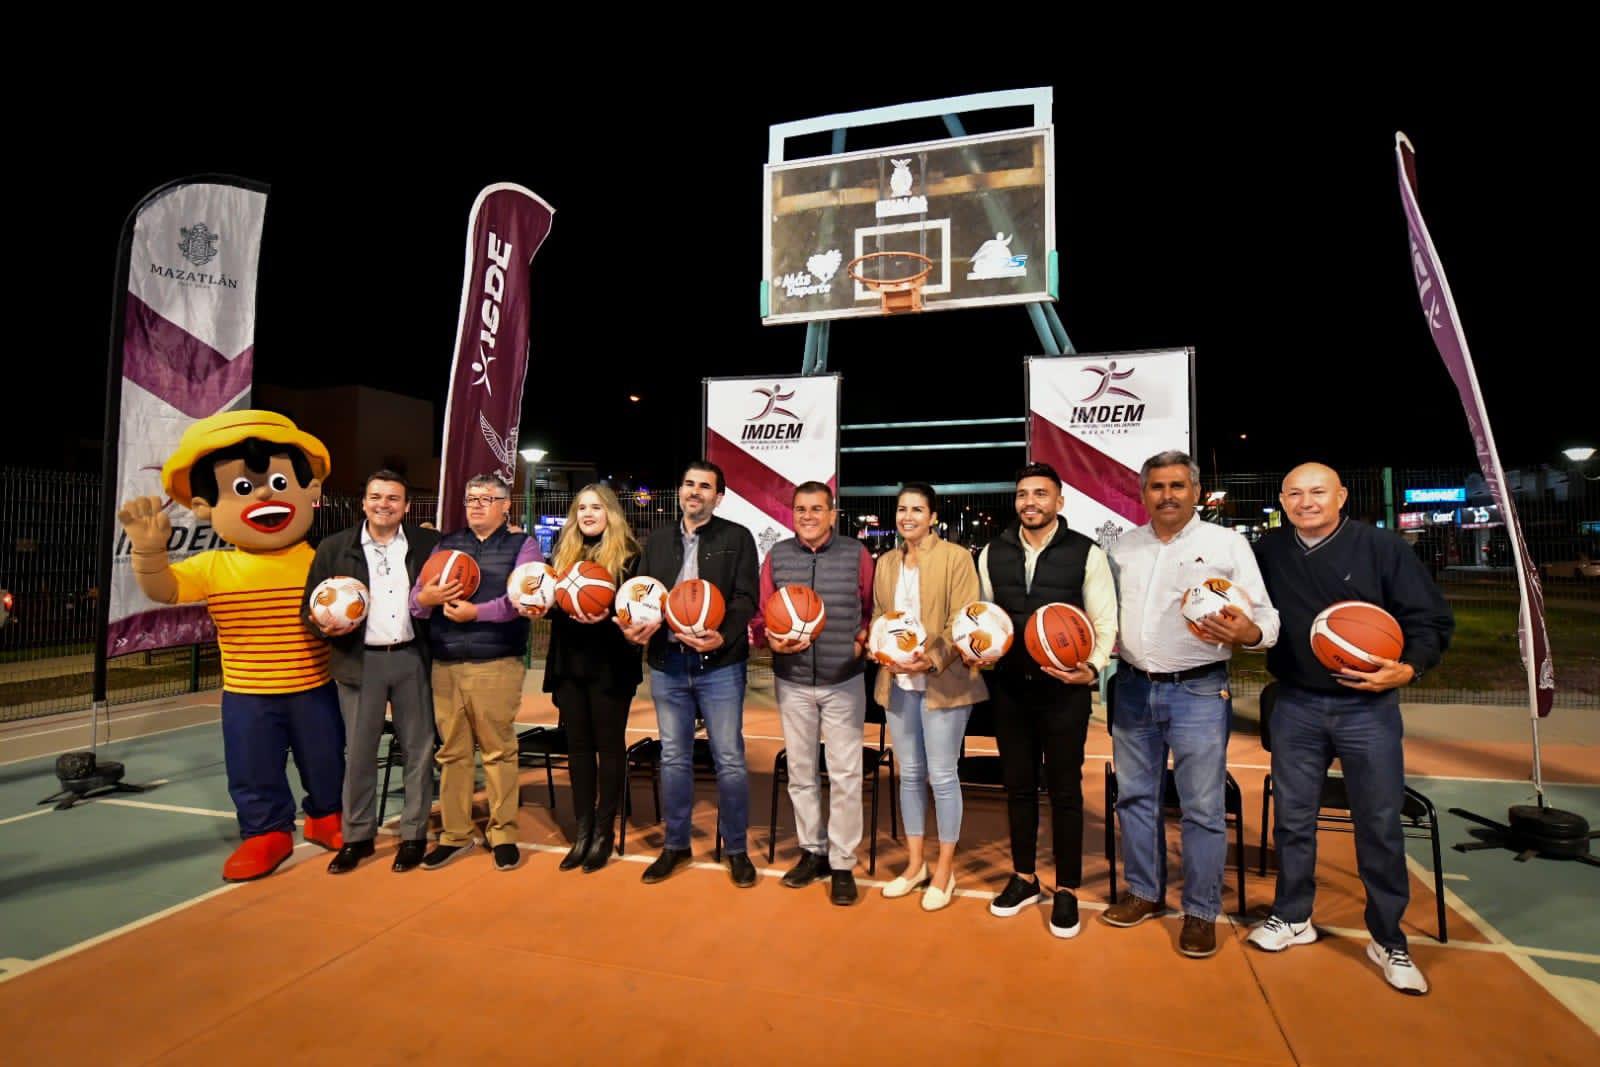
{"points": [[1060, 636], [793, 612], [695, 607], [585, 589], [1346, 635], [448, 566]]}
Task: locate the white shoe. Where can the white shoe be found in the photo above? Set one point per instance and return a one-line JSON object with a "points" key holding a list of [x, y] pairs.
{"points": [[1398, 969], [936, 898], [906, 884], [1277, 934]]}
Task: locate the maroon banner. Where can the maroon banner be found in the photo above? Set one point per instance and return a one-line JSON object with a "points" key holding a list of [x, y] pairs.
{"points": [[1439, 308], [483, 413]]}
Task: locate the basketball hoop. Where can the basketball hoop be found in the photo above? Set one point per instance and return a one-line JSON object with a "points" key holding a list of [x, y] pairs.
{"points": [[898, 294]]}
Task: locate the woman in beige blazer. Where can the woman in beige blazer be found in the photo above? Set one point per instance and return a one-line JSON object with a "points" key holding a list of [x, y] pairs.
{"points": [[928, 700]]}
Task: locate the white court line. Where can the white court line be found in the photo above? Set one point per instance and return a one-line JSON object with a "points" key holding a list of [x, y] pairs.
{"points": [[28, 815], [73, 950], [177, 809], [135, 737]]}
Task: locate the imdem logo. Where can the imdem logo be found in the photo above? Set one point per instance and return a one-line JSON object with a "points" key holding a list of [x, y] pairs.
{"points": [[1122, 411], [773, 421]]}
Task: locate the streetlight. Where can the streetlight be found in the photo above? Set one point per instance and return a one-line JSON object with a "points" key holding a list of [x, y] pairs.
{"points": [[531, 456], [1580, 457]]}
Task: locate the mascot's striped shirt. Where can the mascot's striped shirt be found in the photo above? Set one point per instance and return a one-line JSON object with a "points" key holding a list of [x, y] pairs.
{"points": [[254, 599]]}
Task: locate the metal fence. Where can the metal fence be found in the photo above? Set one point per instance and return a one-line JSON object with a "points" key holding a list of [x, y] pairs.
{"points": [[48, 529]]}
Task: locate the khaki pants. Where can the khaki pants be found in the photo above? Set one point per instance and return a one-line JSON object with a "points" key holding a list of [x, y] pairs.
{"points": [[477, 703]]}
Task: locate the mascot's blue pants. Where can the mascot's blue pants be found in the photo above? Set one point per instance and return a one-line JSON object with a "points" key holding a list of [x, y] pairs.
{"points": [[259, 731]]}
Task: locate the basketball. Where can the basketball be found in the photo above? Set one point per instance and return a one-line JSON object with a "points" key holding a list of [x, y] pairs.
{"points": [[1346, 635], [641, 600], [448, 566], [1060, 636], [585, 590], [983, 631], [1209, 598], [896, 638], [695, 607], [338, 604], [793, 612], [532, 585]]}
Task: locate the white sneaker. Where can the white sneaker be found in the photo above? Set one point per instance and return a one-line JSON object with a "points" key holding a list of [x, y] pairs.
{"points": [[936, 898], [1276, 934], [1397, 968], [905, 884]]}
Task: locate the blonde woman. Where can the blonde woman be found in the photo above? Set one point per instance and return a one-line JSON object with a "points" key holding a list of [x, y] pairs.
{"points": [[929, 700], [592, 671]]}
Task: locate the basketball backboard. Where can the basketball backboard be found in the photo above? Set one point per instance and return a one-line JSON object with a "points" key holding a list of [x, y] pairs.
{"points": [[982, 208]]}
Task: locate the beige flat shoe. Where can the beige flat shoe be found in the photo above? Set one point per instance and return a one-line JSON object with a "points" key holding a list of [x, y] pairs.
{"points": [[936, 898], [905, 884]]}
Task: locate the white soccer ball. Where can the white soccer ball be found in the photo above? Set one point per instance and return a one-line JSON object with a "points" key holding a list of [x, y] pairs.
{"points": [[1209, 598], [339, 604], [641, 600], [896, 638], [532, 585], [983, 631]]}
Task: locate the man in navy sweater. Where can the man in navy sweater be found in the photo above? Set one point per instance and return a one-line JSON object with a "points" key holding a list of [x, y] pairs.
{"points": [[1325, 558]]}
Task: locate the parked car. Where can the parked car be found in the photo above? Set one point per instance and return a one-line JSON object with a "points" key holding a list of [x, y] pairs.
{"points": [[1583, 567]]}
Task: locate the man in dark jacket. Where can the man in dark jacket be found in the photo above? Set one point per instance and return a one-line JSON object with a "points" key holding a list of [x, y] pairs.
{"points": [[702, 675], [1322, 559], [381, 663]]}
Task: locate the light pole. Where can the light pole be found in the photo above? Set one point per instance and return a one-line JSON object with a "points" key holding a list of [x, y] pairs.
{"points": [[1580, 458], [531, 456]]}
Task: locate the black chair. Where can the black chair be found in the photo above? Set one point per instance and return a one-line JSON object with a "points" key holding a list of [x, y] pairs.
{"points": [[1171, 804], [1418, 818], [873, 761], [983, 770], [548, 746], [644, 757]]}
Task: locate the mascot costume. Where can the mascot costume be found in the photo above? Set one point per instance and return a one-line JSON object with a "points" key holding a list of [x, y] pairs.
{"points": [[255, 477]]}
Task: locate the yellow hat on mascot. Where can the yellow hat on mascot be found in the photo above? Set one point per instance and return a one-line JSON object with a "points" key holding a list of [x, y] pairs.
{"points": [[226, 428]]}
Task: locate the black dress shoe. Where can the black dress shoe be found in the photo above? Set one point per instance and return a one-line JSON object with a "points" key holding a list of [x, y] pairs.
{"points": [[580, 844], [741, 870], [344, 861], [844, 889], [600, 848], [669, 860], [409, 855], [811, 867]]}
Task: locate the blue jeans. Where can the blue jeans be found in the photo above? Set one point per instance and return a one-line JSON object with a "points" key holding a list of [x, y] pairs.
{"points": [[718, 695], [259, 732], [927, 744], [1191, 718], [1364, 731]]}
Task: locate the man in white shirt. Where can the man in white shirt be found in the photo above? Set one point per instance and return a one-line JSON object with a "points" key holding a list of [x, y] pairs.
{"points": [[381, 663], [1171, 692]]}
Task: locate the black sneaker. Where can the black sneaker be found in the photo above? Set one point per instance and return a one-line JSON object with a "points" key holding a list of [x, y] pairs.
{"points": [[349, 856], [443, 854], [1064, 915], [409, 855], [844, 889], [507, 857], [1018, 894], [669, 860], [741, 870], [811, 867]]}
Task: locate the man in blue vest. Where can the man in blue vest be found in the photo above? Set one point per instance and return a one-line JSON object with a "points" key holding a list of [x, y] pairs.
{"points": [[478, 644], [821, 697], [1042, 711]]}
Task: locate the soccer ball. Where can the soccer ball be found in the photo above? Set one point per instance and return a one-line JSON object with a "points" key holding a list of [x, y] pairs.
{"points": [[339, 604]]}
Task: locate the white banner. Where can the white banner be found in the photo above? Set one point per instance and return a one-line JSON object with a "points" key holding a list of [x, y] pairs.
{"points": [[768, 435], [188, 336], [1096, 419]]}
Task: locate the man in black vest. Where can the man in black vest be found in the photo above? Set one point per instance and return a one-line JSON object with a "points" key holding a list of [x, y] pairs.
{"points": [[1323, 558], [1042, 710], [478, 643], [821, 698], [381, 663]]}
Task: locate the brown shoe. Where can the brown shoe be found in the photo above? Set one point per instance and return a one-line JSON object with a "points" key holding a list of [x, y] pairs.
{"points": [[1199, 938], [1131, 912]]}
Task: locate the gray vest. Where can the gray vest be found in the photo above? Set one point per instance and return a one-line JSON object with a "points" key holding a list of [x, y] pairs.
{"points": [[834, 572]]}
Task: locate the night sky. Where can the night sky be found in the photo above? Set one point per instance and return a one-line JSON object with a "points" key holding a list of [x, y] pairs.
{"points": [[1250, 213]]}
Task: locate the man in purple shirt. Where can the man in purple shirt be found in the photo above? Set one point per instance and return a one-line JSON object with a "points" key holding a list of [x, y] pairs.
{"points": [[477, 643]]}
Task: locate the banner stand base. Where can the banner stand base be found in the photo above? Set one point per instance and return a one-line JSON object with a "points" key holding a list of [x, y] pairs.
{"points": [[1535, 830]]}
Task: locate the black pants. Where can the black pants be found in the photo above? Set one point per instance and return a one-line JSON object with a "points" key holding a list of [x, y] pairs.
{"points": [[596, 723], [1033, 717]]}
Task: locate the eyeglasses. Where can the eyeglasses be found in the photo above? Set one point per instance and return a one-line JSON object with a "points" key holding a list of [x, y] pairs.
{"points": [[484, 501]]}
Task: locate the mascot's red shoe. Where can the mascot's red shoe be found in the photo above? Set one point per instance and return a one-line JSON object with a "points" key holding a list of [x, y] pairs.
{"points": [[325, 830], [258, 856]]}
